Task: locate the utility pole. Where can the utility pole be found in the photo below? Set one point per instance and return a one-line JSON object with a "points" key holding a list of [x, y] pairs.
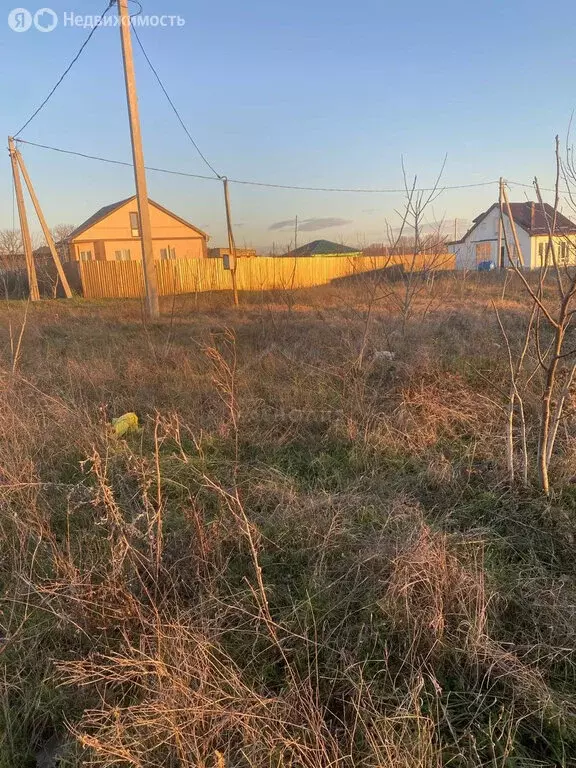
{"points": [[150, 281], [500, 255], [296, 233], [44, 225], [26, 239], [231, 243], [519, 254]]}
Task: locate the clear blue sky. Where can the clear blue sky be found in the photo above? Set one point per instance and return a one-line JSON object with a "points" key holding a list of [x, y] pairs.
{"points": [[322, 92]]}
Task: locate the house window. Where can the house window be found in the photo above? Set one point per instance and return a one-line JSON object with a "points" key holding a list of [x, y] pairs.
{"points": [[123, 255], [135, 224], [85, 255], [167, 253], [483, 252], [541, 252]]}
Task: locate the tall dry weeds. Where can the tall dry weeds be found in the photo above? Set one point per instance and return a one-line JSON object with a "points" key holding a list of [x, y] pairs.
{"points": [[299, 560]]}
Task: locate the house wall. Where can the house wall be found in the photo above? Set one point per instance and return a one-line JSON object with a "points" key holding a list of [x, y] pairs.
{"points": [[569, 241], [114, 234], [186, 248], [77, 246], [487, 232]]}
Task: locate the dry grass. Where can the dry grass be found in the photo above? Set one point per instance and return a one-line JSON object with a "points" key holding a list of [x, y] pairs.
{"points": [[308, 557]]}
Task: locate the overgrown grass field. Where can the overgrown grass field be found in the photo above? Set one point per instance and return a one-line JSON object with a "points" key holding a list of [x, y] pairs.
{"points": [[309, 556]]}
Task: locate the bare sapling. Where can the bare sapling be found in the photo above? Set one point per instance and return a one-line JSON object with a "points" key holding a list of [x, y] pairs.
{"points": [[16, 338], [515, 401], [426, 250], [551, 299], [422, 252]]}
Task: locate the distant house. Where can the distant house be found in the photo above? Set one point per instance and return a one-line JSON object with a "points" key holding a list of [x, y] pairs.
{"points": [[43, 254], [324, 248], [480, 243], [113, 234]]}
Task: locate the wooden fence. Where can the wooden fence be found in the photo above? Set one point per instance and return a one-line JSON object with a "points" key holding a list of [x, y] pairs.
{"points": [[124, 279]]}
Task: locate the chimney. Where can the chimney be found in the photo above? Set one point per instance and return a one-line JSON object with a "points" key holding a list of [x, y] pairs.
{"points": [[532, 212]]}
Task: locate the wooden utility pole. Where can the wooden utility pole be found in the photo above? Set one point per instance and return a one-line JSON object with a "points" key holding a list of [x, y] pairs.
{"points": [[231, 243], [44, 225], [150, 281], [26, 239], [500, 259], [512, 225], [296, 233]]}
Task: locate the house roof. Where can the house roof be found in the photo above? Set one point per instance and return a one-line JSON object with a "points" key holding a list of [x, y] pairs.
{"points": [[322, 248], [108, 209], [530, 217]]}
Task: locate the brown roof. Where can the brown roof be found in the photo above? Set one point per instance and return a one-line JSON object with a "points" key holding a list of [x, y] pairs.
{"points": [[108, 209], [531, 218]]}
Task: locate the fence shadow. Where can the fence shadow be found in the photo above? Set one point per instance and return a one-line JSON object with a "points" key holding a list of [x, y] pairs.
{"points": [[392, 274]]}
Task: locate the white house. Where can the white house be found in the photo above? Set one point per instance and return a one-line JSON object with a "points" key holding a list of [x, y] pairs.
{"points": [[480, 243]]}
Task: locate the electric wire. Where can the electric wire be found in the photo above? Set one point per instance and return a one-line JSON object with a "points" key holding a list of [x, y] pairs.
{"points": [[531, 186], [65, 73], [270, 185], [217, 176], [173, 106]]}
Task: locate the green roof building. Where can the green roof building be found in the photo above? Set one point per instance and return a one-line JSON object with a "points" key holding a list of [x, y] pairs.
{"points": [[324, 248]]}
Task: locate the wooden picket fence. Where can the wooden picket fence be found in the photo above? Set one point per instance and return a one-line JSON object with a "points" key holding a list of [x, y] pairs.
{"points": [[124, 279]]}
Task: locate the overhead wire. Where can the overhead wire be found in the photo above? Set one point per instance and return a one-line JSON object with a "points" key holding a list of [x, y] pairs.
{"points": [[124, 163], [65, 73], [217, 176], [530, 186], [270, 185], [173, 106]]}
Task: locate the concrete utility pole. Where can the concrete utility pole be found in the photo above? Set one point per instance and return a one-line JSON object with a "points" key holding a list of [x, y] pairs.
{"points": [[231, 242], [26, 239], [150, 281], [501, 259], [44, 225], [519, 254]]}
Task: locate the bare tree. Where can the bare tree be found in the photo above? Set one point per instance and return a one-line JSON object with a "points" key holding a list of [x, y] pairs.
{"points": [[10, 242], [552, 297], [414, 251], [62, 232], [425, 249]]}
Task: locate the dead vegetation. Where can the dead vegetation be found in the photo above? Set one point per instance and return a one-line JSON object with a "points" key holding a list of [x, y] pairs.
{"points": [[301, 560]]}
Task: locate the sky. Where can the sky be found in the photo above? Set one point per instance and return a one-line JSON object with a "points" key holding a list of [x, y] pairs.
{"points": [[322, 93]]}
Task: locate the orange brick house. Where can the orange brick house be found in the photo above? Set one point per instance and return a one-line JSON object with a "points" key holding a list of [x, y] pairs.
{"points": [[113, 234]]}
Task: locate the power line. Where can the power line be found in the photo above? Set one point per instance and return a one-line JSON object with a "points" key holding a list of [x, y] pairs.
{"points": [[66, 71], [174, 108], [217, 176], [359, 189], [115, 162], [254, 183], [531, 186]]}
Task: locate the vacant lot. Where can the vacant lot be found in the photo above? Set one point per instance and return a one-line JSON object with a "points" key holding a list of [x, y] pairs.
{"points": [[309, 555]]}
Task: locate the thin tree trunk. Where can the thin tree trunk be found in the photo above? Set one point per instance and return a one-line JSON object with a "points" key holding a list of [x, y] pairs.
{"points": [[546, 412], [510, 437], [558, 413]]}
